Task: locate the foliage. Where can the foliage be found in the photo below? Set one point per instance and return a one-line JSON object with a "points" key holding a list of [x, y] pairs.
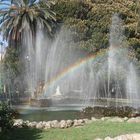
{"points": [[74, 8], [25, 14], [138, 53], [90, 21], [6, 116], [108, 111], [11, 60], [79, 29], [12, 69], [137, 11]]}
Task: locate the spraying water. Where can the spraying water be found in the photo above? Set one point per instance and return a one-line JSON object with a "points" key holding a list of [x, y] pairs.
{"points": [[132, 86], [82, 78]]}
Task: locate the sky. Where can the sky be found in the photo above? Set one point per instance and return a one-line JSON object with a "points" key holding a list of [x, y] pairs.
{"points": [[3, 44]]}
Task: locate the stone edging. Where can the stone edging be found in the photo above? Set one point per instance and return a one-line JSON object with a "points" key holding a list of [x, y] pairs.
{"points": [[70, 123]]}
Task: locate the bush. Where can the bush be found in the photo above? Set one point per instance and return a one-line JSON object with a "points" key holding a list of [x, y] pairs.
{"points": [[110, 111], [7, 114], [70, 9]]}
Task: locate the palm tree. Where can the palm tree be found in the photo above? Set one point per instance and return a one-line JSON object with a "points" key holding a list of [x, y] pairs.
{"points": [[16, 14]]}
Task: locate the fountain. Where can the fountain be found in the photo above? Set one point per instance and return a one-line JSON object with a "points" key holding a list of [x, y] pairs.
{"points": [[132, 87], [57, 93], [103, 79]]}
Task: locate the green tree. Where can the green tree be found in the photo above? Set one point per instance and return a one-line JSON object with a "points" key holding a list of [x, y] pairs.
{"points": [[137, 12], [15, 15]]}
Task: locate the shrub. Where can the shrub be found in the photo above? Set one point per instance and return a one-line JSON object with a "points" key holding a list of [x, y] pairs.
{"points": [[7, 114], [110, 111], [67, 9]]}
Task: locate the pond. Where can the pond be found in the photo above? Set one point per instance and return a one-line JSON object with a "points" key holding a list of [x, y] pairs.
{"points": [[48, 114]]}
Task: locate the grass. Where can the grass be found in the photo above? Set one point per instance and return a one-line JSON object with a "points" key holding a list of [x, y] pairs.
{"points": [[87, 132]]}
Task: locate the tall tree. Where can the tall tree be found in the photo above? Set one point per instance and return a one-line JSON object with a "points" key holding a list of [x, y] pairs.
{"points": [[137, 12]]}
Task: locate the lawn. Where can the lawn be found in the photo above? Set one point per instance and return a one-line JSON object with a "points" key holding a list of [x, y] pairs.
{"points": [[87, 132]]}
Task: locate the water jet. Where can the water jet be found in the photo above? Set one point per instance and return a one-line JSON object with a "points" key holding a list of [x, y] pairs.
{"points": [[72, 76]]}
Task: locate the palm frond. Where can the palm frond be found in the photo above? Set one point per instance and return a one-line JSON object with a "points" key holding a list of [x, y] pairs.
{"points": [[22, 14], [17, 2]]}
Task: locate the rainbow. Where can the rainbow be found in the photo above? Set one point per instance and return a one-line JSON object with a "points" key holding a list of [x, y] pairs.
{"points": [[75, 66]]}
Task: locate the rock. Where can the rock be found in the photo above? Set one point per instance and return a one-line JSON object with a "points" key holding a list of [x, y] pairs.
{"points": [[131, 120], [47, 125], [44, 123], [108, 138], [26, 122], [78, 123], [18, 123], [32, 124], [75, 123], [134, 120], [125, 137], [86, 120], [55, 124], [98, 139], [40, 125], [125, 118], [136, 137], [69, 123], [63, 124], [93, 119], [115, 119], [105, 118]]}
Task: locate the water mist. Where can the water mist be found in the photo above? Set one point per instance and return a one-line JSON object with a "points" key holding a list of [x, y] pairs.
{"points": [[80, 78]]}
